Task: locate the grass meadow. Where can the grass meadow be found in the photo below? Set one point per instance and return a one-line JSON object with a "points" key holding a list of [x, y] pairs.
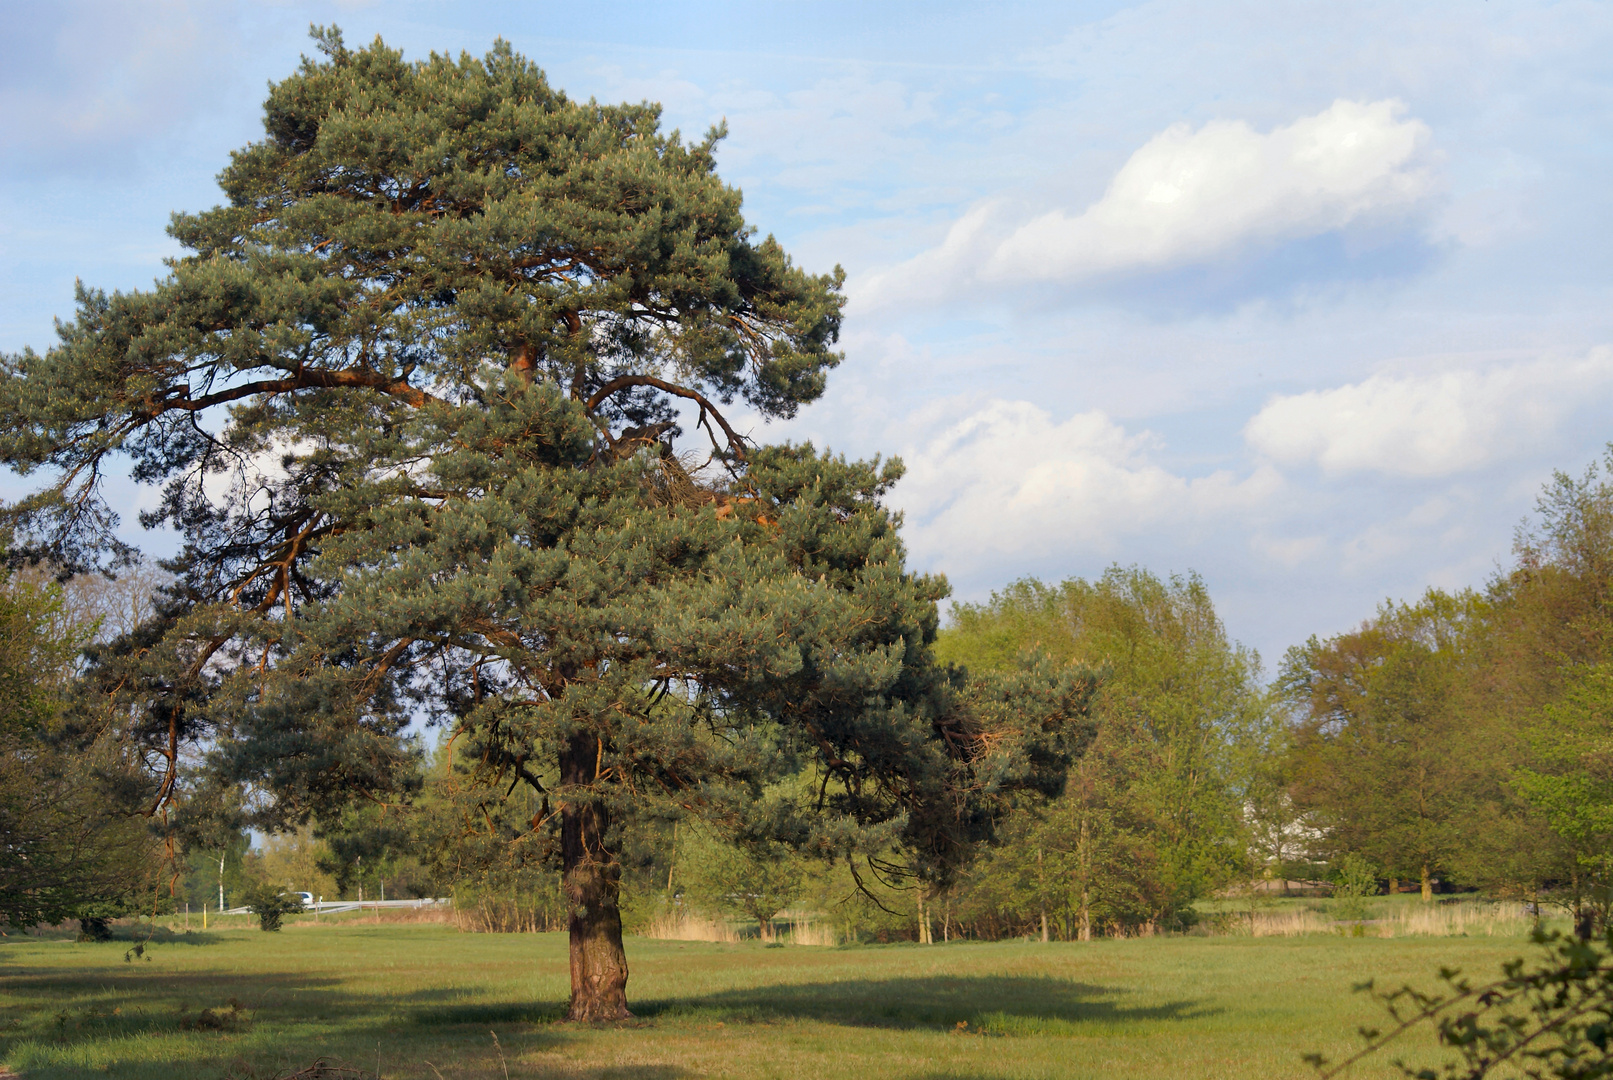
{"points": [[426, 1001]]}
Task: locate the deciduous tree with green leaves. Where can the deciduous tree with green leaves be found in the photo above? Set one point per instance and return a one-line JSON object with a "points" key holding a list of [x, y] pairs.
{"points": [[412, 396], [1559, 606], [65, 852], [1150, 818], [1380, 757], [756, 882]]}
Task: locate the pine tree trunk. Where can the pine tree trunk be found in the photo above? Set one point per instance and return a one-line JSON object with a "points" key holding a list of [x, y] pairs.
{"points": [[592, 880], [1428, 885]]}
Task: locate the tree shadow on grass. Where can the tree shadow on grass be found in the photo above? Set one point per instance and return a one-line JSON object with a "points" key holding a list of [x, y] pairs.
{"points": [[67, 1017], [123, 937], [68, 1005], [183, 937], [988, 1005], [485, 1013]]}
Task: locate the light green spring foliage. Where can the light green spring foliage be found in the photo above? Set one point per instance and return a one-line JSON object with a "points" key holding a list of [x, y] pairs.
{"points": [[1356, 880], [34, 867], [63, 851], [1152, 815], [37, 650], [756, 882], [203, 875], [1568, 778], [1560, 598]]}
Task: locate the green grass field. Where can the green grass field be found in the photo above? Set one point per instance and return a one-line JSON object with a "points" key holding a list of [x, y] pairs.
{"points": [[425, 1001]]}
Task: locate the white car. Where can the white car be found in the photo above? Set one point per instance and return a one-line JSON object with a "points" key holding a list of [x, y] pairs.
{"points": [[307, 898]]}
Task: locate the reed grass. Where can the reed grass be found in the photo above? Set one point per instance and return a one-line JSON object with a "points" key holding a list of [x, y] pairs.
{"points": [[681, 925], [803, 928], [1467, 918]]}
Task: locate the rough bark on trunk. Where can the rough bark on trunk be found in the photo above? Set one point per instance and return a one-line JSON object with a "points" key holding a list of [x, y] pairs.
{"points": [[591, 877]]}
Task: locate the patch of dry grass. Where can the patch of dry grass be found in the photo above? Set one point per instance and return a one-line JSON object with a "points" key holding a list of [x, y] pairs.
{"points": [[682, 925], [1467, 918]]}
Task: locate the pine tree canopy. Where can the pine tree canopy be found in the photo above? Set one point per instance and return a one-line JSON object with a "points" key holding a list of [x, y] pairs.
{"points": [[412, 398], [401, 226]]}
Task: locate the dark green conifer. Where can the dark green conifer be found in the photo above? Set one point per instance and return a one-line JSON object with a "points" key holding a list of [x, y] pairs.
{"points": [[412, 398]]}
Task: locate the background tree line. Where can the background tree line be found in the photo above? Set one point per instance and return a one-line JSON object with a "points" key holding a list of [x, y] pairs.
{"points": [[1460, 741], [1465, 738]]}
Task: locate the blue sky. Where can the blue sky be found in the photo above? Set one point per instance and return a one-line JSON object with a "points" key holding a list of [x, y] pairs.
{"points": [[1310, 299]]}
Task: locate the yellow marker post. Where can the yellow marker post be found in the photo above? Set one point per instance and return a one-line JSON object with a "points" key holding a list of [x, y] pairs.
{"points": [[204, 916]]}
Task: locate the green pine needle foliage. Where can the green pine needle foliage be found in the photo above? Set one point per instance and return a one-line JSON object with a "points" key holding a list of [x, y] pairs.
{"points": [[412, 396]]}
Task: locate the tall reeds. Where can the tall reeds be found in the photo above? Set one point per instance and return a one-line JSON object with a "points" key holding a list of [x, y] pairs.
{"points": [[683, 925], [1472, 918]]}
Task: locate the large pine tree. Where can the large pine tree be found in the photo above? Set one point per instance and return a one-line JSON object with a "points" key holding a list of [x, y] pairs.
{"points": [[413, 399]]}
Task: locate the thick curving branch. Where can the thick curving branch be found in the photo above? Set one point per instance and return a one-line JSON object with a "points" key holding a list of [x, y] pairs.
{"points": [[303, 380], [736, 441]]}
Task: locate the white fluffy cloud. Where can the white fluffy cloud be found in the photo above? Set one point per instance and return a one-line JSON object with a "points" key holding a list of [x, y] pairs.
{"points": [[1190, 197], [1005, 482], [1431, 424]]}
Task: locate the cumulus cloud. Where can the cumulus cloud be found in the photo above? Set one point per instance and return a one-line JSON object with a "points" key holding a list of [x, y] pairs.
{"points": [[1004, 481], [1429, 424], [1188, 198]]}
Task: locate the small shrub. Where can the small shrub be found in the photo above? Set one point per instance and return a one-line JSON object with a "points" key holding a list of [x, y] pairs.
{"points": [[1356, 881], [233, 1018], [94, 928], [270, 905]]}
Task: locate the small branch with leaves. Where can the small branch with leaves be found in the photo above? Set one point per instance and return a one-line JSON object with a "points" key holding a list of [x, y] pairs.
{"points": [[1550, 1020]]}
